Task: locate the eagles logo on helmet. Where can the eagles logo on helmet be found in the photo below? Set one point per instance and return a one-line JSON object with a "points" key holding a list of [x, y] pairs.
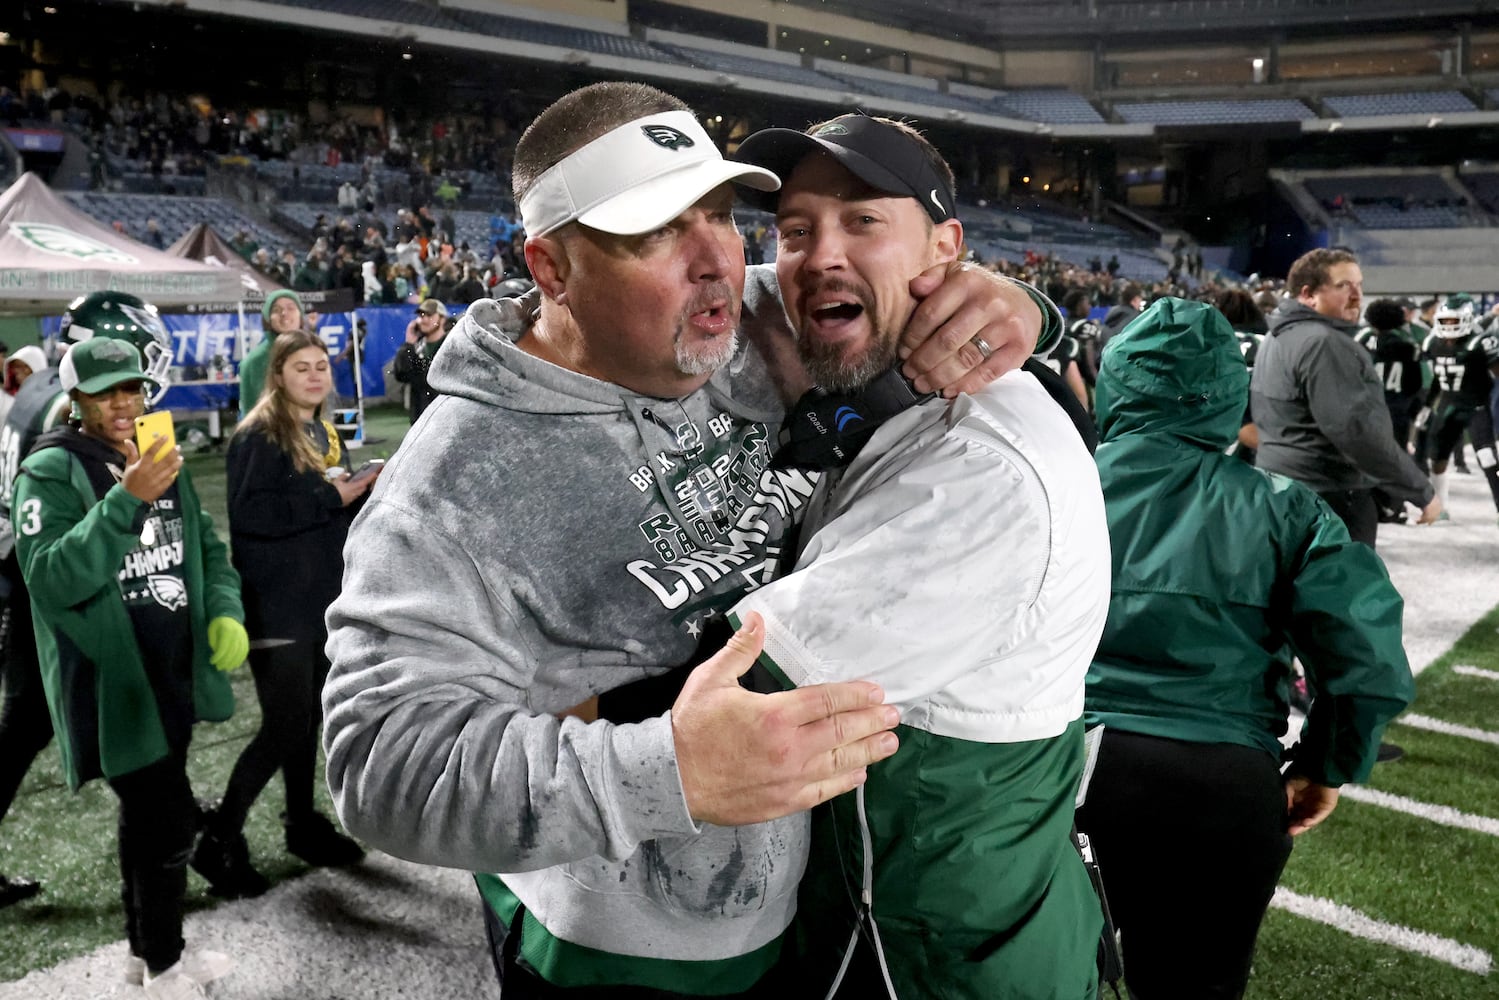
{"points": [[122, 316]]}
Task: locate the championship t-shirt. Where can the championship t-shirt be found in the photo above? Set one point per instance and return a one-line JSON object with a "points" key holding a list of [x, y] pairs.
{"points": [[154, 588]]}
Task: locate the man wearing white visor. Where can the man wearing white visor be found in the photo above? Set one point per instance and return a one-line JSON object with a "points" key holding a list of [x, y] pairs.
{"points": [[524, 673]]}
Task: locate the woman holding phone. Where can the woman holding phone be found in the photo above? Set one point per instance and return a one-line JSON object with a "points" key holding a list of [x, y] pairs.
{"points": [[287, 523]]}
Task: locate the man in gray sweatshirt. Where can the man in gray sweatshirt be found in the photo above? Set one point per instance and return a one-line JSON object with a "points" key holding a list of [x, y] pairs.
{"points": [[551, 541]]}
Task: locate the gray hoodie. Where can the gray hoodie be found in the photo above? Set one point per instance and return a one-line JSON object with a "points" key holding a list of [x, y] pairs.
{"points": [[1320, 410], [541, 537]]}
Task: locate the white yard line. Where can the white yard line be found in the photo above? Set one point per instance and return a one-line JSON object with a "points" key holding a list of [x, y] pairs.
{"points": [[1488, 675], [1444, 815], [1351, 921], [1426, 722]]}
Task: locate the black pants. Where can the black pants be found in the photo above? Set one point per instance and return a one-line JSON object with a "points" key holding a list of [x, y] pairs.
{"points": [[1403, 409], [1191, 839], [519, 982], [157, 823], [25, 725], [1447, 435], [289, 684], [1359, 512]]}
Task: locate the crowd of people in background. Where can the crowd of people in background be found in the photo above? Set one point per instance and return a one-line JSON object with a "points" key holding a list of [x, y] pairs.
{"points": [[176, 135]]}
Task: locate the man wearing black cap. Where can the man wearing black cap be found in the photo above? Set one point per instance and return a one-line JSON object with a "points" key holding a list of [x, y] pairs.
{"points": [[951, 871], [424, 335]]}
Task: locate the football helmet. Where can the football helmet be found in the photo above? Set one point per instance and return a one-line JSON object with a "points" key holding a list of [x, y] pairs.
{"points": [[1454, 318], [122, 316]]}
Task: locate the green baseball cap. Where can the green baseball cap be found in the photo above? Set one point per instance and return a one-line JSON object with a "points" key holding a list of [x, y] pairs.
{"points": [[99, 364]]}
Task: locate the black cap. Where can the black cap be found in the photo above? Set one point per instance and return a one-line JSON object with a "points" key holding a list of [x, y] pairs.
{"points": [[882, 156]]}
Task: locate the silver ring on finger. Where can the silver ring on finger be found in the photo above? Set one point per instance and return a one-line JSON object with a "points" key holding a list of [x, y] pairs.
{"points": [[982, 345]]}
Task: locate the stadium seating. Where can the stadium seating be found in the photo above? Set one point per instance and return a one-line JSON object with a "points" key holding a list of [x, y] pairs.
{"points": [[491, 25], [1380, 216], [1214, 112], [743, 65], [1407, 199], [1428, 102], [1485, 187], [913, 92], [472, 227], [403, 11], [1425, 186], [1055, 107], [559, 36], [997, 234], [175, 214]]}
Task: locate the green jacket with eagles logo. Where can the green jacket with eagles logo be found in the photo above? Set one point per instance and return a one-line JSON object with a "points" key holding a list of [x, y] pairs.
{"points": [[71, 546]]}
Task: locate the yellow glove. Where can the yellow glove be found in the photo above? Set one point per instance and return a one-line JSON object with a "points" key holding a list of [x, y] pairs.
{"points": [[229, 642]]}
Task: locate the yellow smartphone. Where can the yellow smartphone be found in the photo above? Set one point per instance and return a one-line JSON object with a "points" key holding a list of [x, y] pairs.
{"points": [[153, 426]]}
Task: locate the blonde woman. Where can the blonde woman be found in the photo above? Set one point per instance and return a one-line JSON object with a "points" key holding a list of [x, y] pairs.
{"points": [[287, 524]]}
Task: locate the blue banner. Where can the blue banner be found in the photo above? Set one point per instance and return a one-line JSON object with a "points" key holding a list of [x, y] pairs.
{"points": [[385, 332], [203, 347]]}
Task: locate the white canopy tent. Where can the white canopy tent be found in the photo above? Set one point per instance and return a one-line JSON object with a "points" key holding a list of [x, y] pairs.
{"points": [[51, 253]]}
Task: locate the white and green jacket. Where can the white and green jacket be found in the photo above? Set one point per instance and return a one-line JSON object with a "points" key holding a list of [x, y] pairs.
{"points": [[962, 562]]}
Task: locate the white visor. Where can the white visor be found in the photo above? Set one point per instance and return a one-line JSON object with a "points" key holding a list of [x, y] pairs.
{"points": [[635, 178]]}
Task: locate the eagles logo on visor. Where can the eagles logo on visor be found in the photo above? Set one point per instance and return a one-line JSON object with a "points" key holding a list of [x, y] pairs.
{"points": [[667, 137]]}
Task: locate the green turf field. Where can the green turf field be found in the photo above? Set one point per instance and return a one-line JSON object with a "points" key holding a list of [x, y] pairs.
{"points": [[1401, 869], [1404, 881]]}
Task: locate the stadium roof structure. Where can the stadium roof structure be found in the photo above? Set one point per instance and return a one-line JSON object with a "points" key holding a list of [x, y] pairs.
{"points": [[977, 21], [606, 49]]}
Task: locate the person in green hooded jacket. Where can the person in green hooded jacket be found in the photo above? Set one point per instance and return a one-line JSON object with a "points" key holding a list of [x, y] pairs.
{"points": [[281, 312], [1221, 574], [137, 611]]}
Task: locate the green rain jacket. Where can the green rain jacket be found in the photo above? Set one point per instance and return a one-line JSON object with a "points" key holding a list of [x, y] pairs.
{"points": [[1223, 572], [71, 546], [252, 371]]}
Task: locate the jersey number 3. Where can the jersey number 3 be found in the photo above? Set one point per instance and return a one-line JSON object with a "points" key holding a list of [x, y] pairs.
{"points": [[31, 517]]}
